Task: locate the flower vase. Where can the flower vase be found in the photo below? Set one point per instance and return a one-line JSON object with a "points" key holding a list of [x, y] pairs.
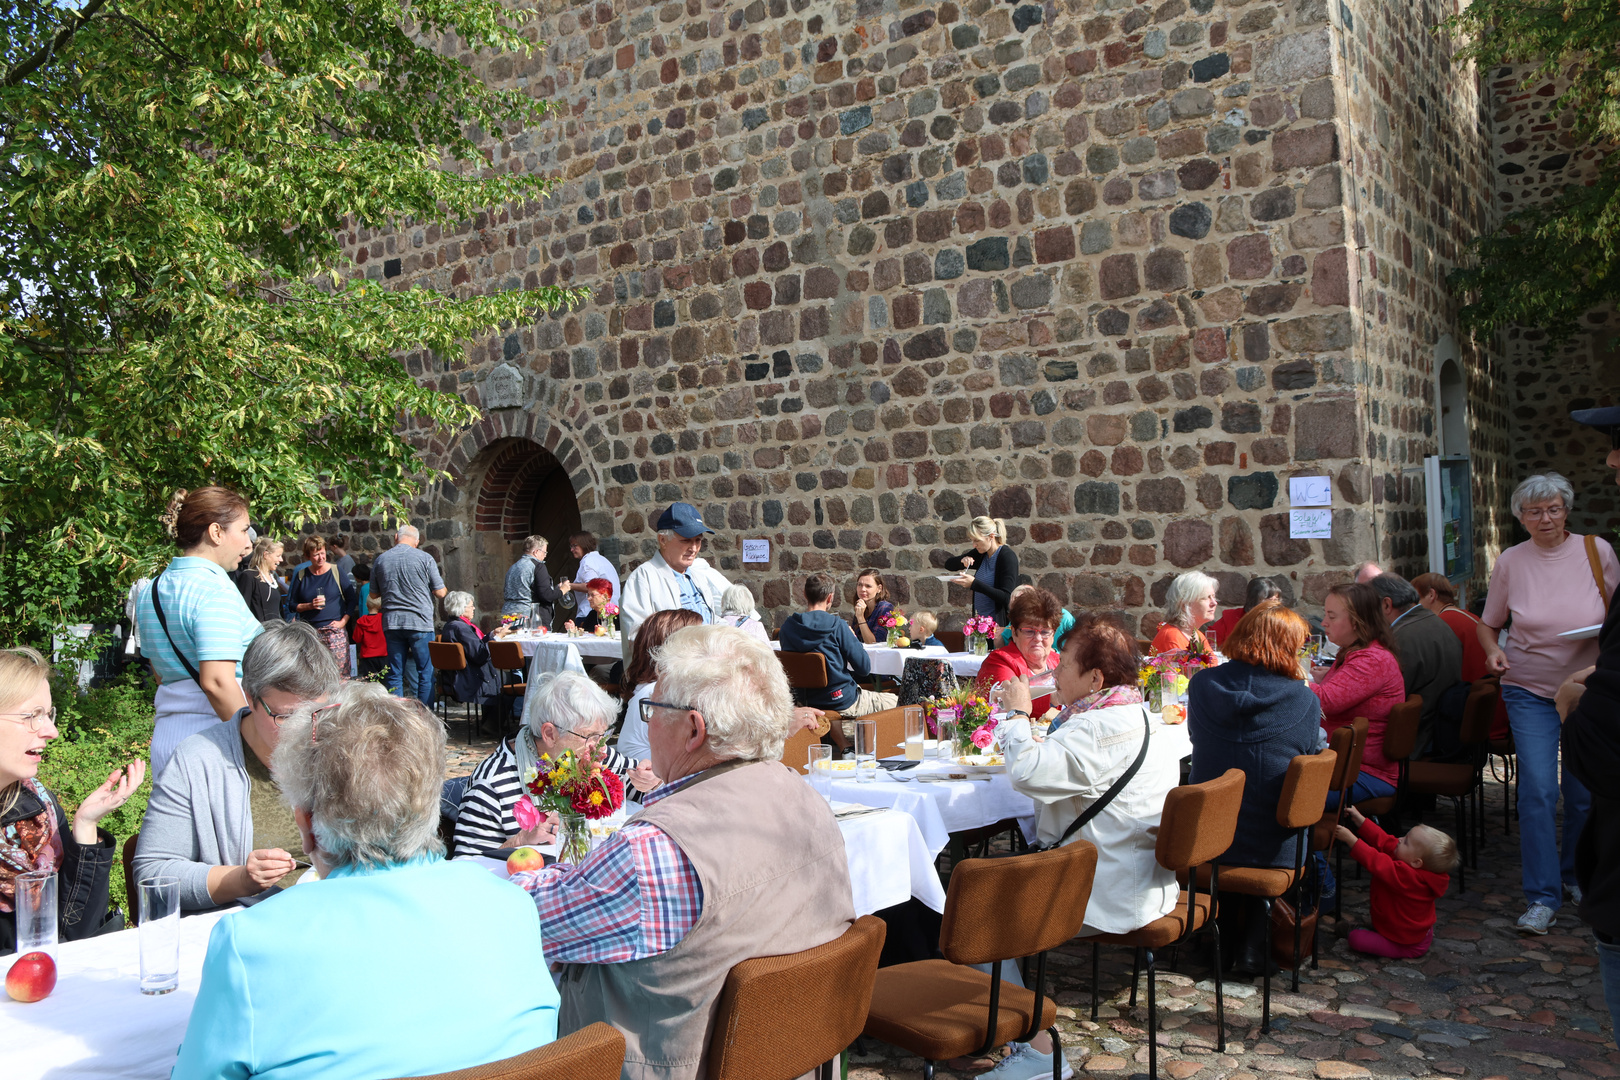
{"points": [[894, 637], [979, 645], [612, 624], [573, 838]]}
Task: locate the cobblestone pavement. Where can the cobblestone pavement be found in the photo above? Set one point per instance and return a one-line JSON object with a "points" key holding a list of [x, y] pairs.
{"points": [[1485, 1002]]}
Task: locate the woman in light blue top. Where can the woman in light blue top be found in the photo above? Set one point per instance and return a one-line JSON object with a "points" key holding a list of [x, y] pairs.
{"points": [[375, 970], [199, 627]]}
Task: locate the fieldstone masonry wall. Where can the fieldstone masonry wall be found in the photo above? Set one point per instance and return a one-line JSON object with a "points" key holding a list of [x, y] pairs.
{"points": [[859, 270]]}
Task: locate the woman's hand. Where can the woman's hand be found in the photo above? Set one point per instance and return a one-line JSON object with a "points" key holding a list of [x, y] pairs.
{"points": [[1320, 671], [964, 580], [1496, 660], [642, 777], [1015, 695], [267, 866], [1569, 694], [120, 785], [565, 587], [341, 623], [543, 833], [967, 563], [860, 608]]}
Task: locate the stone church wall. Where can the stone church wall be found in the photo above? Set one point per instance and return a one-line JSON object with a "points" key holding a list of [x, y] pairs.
{"points": [[1112, 271]]}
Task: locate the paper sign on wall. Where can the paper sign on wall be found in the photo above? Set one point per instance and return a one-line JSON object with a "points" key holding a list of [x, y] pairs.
{"points": [[1310, 490], [756, 551], [1310, 524]]}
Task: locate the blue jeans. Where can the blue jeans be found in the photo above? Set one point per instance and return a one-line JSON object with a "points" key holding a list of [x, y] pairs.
{"points": [[1367, 786], [1536, 735], [415, 643], [1609, 962]]}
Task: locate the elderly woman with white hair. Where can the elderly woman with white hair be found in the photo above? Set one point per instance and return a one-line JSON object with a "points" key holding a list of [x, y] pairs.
{"points": [[1552, 583], [338, 977], [735, 853], [479, 682], [1188, 605], [567, 712], [737, 610]]}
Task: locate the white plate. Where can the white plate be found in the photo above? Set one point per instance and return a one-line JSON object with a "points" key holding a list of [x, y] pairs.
{"points": [[951, 577], [980, 763], [1583, 633]]}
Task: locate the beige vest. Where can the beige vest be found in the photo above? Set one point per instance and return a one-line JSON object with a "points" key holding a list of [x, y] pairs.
{"points": [[775, 880]]}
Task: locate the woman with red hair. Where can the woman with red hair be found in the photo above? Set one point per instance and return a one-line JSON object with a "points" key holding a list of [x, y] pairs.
{"points": [[599, 591]]}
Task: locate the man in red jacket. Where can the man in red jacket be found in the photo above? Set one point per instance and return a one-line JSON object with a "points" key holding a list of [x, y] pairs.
{"points": [[1408, 876]]}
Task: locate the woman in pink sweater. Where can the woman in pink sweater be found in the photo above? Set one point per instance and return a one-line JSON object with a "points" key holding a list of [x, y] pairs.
{"points": [[1365, 680]]}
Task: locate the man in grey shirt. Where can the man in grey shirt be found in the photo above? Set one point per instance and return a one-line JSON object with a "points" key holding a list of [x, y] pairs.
{"points": [[408, 579]]}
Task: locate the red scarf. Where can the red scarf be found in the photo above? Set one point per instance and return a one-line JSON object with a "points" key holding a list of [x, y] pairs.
{"points": [[474, 626], [29, 844]]}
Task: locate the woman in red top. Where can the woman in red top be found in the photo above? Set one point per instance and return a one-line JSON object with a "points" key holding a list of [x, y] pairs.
{"points": [[1365, 680], [1435, 593], [1034, 616]]}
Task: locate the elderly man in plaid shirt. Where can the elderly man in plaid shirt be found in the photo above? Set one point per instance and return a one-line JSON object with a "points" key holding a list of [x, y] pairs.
{"points": [[733, 857]]}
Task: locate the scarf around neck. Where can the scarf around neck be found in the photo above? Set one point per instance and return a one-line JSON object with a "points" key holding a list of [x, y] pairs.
{"points": [[31, 842], [1106, 697]]}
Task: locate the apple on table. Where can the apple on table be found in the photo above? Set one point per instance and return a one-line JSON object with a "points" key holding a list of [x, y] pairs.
{"points": [[32, 977]]}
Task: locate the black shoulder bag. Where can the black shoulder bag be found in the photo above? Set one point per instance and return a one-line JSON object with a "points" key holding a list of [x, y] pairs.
{"points": [[1108, 796], [157, 607]]}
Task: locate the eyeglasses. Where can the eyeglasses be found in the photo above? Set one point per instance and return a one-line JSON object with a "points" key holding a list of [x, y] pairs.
{"points": [[35, 720], [1549, 513], [317, 716], [648, 705], [587, 737], [1030, 633]]}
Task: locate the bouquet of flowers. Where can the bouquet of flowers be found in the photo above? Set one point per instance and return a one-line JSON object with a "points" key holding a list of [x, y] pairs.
{"points": [[970, 709], [894, 620], [1163, 678], [978, 630], [512, 622], [610, 617], [577, 789]]}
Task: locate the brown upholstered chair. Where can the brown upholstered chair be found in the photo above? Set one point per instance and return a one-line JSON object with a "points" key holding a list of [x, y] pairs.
{"points": [[132, 910], [891, 730], [591, 1053], [1400, 738], [941, 1009], [1463, 782], [796, 750], [1197, 827], [954, 640], [1347, 741], [508, 659], [1299, 808], [825, 991], [447, 658], [804, 670]]}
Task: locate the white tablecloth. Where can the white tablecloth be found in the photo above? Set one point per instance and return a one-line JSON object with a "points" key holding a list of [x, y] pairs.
{"points": [[957, 806], [892, 662], [97, 1023], [589, 646]]}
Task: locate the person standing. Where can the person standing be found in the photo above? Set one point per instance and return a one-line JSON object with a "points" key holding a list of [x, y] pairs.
{"points": [[1554, 582], [528, 583], [676, 577], [409, 580], [320, 595], [990, 570], [1589, 701], [194, 624], [592, 565], [260, 587]]}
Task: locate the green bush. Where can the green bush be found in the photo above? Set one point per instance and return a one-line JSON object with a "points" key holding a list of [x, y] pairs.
{"points": [[101, 731]]}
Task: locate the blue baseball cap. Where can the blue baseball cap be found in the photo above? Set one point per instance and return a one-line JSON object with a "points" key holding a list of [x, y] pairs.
{"points": [[1608, 417], [683, 520]]}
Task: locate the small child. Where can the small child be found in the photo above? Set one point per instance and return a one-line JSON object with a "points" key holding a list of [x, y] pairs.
{"points": [[923, 625], [369, 641], [1408, 876]]}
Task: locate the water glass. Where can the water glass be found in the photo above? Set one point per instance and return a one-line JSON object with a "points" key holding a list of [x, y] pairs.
{"points": [[160, 935], [866, 751], [36, 912], [916, 733], [945, 732], [820, 766]]}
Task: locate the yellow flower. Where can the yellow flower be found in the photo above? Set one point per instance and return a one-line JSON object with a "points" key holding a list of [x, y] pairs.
{"points": [[596, 798]]}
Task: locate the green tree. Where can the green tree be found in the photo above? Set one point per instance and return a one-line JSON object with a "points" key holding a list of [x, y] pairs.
{"points": [[1549, 264], [175, 304]]}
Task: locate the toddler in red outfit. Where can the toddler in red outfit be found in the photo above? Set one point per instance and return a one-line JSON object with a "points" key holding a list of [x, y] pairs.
{"points": [[1408, 876], [368, 638]]}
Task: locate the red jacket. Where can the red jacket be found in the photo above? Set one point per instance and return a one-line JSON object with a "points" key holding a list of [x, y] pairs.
{"points": [[1403, 896], [368, 636], [1368, 683], [1008, 663]]}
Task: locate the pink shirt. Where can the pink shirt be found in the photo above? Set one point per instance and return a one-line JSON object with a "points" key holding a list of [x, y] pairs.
{"points": [[1548, 592], [1368, 683]]}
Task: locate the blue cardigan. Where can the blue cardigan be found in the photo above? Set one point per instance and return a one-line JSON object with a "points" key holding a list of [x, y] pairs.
{"points": [[421, 967], [1244, 717]]}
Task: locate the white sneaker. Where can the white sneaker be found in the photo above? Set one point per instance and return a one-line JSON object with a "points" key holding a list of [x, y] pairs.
{"points": [[1574, 892], [1024, 1062], [1537, 920]]}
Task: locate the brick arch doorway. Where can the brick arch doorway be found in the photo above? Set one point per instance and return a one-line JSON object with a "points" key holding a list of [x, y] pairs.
{"points": [[526, 491]]}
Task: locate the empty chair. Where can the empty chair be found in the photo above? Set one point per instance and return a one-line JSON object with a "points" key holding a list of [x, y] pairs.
{"points": [[591, 1053], [508, 659], [448, 658], [1347, 741], [823, 993], [941, 1009]]}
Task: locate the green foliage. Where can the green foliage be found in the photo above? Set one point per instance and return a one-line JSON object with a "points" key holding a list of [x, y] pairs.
{"points": [[175, 305], [1549, 264], [101, 731]]}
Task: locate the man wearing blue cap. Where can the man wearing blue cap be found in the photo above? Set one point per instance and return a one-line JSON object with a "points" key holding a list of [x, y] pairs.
{"points": [[674, 578], [1590, 705]]}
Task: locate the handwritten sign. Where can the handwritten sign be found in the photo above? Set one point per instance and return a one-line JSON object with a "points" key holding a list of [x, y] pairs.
{"points": [[1310, 490], [756, 551], [1310, 524]]}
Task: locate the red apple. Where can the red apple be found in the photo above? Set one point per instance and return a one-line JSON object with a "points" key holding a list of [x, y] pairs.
{"points": [[524, 858], [32, 977]]}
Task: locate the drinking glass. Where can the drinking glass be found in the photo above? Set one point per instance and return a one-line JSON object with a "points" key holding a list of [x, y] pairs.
{"points": [[1209, 636], [160, 935], [36, 912], [820, 771], [916, 733], [945, 731], [866, 751]]}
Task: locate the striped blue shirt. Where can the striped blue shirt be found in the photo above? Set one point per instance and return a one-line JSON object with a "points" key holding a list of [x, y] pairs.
{"points": [[208, 619]]}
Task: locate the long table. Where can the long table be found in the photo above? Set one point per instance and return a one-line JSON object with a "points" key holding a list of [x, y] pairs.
{"points": [[891, 662], [589, 646]]}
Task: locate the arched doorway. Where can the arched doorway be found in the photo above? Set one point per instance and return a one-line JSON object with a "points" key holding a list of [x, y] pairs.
{"points": [[554, 514], [525, 491], [1451, 399]]}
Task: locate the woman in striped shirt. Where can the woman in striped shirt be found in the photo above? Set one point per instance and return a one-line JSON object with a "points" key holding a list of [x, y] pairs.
{"points": [[570, 712]]}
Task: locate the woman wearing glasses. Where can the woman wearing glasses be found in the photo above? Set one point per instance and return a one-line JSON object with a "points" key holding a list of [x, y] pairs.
{"points": [[568, 712], [216, 819], [1034, 616], [1554, 582], [34, 829]]}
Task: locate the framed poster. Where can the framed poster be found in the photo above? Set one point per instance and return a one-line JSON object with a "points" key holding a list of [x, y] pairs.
{"points": [[1449, 493]]}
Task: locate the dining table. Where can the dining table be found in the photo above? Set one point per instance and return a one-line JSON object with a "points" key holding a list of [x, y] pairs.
{"points": [[890, 661], [588, 646]]}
